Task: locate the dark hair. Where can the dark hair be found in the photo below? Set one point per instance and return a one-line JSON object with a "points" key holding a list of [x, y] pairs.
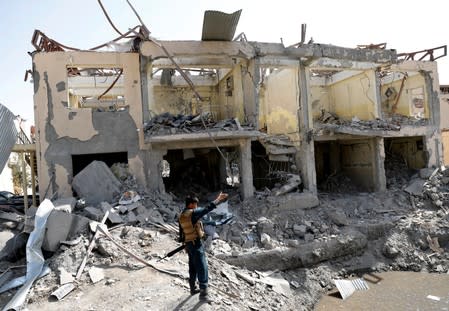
{"points": [[191, 199]]}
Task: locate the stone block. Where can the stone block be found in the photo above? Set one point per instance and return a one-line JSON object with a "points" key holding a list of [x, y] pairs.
{"points": [[96, 183], [61, 227], [94, 213], [416, 188], [298, 200], [65, 204], [425, 173]]}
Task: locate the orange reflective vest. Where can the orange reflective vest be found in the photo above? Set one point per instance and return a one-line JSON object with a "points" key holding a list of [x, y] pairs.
{"points": [[191, 231]]}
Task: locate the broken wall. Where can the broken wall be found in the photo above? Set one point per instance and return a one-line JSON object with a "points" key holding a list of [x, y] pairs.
{"points": [[320, 99], [444, 112], [281, 100], [179, 98], [64, 131], [412, 100], [230, 95], [355, 159], [411, 149], [355, 97]]}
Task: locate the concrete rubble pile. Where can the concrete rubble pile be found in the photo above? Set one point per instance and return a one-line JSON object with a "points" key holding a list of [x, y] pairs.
{"points": [[394, 122], [275, 251], [167, 124]]}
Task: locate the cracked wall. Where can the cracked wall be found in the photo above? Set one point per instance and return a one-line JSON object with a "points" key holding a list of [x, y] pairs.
{"points": [[62, 131]]}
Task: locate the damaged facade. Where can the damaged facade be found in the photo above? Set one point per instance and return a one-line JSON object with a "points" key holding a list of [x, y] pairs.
{"points": [[239, 112]]}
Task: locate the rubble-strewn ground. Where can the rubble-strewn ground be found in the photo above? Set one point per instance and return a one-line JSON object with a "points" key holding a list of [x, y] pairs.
{"points": [[348, 234]]}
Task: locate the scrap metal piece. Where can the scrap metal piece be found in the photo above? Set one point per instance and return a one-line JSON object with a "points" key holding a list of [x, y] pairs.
{"points": [[429, 53], [348, 287], [63, 291], [219, 26], [34, 256], [8, 134]]}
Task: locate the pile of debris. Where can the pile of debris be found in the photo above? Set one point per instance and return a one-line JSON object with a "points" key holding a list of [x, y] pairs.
{"points": [[394, 122], [328, 118], [436, 189], [249, 243], [168, 124]]}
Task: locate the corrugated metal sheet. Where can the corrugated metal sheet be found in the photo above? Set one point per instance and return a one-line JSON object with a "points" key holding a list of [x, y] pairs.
{"points": [[219, 26], [348, 287], [8, 135]]}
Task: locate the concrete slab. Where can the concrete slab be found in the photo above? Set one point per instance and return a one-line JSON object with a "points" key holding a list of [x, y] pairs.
{"points": [[96, 274], [96, 183], [65, 204], [298, 200], [62, 226], [416, 188]]}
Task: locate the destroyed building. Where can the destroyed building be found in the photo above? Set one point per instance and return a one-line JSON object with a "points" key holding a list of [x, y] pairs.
{"points": [[216, 108]]}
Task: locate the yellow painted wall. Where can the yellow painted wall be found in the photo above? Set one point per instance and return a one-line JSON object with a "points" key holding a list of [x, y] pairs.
{"points": [[354, 96], [231, 105], [403, 106], [182, 100], [445, 139], [280, 98], [319, 99], [444, 111], [357, 161], [51, 88]]}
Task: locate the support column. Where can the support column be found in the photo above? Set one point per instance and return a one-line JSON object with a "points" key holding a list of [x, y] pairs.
{"points": [[246, 169], [378, 97], [33, 178], [380, 181], [306, 154], [251, 79], [153, 173], [24, 183]]}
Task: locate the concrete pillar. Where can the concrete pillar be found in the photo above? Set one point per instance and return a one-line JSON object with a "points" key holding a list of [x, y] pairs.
{"points": [[306, 154], [250, 80], [144, 68], [153, 169], [380, 181], [246, 169], [378, 97]]}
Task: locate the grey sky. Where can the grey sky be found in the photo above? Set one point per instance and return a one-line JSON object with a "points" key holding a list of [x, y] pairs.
{"points": [[405, 26]]}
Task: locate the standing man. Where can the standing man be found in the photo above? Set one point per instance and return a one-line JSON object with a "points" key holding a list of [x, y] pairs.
{"points": [[191, 233]]}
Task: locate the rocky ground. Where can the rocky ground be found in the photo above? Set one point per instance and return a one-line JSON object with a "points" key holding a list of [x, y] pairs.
{"points": [[270, 256]]}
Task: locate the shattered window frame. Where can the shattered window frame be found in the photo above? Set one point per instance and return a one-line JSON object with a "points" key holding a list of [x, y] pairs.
{"points": [[107, 86]]}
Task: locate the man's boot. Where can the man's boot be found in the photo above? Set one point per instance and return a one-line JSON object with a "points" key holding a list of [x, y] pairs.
{"points": [[193, 289], [204, 295]]}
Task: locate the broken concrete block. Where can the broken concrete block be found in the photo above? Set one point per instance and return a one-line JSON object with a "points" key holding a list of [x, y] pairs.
{"points": [[96, 183], [297, 200], [304, 255], [300, 230], [265, 225], [338, 217], [131, 217], [416, 187], [62, 226], [122, 209], [133, 206], [64, 276], [96, 274], [65, 204], [113, 216], [425, 173], [94, 213]]}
